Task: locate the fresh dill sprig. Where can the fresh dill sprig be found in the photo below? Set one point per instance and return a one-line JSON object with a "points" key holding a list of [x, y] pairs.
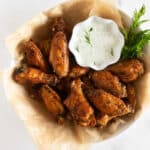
{"points": [[77, 49], [112, 52], [135, 40], [94, 63], [87, 36]]}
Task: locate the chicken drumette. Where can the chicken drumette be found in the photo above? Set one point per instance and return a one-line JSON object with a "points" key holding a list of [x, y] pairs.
{"points": [[78, 105]]}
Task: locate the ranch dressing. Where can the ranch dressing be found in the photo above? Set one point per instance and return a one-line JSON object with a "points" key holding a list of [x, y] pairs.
{"points": [[96, 43]]}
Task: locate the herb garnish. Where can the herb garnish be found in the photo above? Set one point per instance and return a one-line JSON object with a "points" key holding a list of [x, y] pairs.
{"points": [[87, 36], [77, 49], [135, 40], [112, 52]]}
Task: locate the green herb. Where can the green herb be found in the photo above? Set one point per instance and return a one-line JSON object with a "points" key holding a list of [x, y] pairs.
{"points": [[91, 29], [135, 40], [77, 49], [94, 63], [87, 36], [112, 52]]}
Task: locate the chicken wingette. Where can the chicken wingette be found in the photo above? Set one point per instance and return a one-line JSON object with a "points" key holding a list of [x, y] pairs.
{"points": [[109, 106], [77, 71], [78, 105], [110, 83], [59, 55], [34, 56], [34, 76], [52, 101], [128, 70], [106, 103]]}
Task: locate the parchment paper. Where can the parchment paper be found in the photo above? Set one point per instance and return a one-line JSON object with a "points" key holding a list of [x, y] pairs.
{"points": [[47, 134]]}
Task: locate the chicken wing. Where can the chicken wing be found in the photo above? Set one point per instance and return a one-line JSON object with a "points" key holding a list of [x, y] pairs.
{"points": [[58, 24], [64, 85], [87, 80], [34, 76], [59, 55], [110, 83], [131, 99], [128, 70], [78, 105], [78, 71], [103, 119], [52, 101], [34, 56], [44, 46], [106, 102]]}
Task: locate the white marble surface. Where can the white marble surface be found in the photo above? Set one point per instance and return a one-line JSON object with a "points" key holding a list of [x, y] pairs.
{"points": [[13, 135]]}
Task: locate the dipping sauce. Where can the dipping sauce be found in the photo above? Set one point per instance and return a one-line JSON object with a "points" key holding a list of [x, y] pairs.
{"points": [[96, 43]]}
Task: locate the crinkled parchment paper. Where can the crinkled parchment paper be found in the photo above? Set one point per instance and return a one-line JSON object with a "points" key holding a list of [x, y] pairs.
{"points": [[47, 134]]}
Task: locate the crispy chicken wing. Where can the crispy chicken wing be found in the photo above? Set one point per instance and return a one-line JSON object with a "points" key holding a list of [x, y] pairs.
{"points": [[131, 99], [59, 57], [106, 102], [103, 119], [64, 85], [87, 80], [110, 83], [58, 24], [51, 100], [78, 105], [128, 70], [78, 71], [34, 56], [44, 46], [34, 76]]}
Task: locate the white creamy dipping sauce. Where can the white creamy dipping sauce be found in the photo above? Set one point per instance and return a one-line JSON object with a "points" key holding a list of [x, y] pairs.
{"points": [[96, 43]]}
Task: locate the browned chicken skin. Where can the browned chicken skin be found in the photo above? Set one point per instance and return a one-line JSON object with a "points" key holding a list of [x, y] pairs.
{"points": [[34, 56], [64, 85], [128, 70], [58, 24], [59, 57], [34, 76], [103, 119], [107, 81], [45, 45], [78, 106], [52, 101], [106, 103], [78, 71]]}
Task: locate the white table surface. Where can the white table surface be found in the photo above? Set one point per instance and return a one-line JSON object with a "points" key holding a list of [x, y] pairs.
{"points": [[13, 135]]}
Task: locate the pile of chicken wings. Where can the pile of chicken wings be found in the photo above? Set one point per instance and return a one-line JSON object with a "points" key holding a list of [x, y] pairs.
{"points": [[85, 96]]}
